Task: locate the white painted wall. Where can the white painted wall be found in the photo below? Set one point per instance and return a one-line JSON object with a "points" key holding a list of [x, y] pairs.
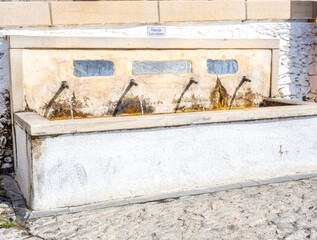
{"points": [[91, 167]]}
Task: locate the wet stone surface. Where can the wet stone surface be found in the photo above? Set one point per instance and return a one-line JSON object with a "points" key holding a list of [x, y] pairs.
{"points": [[285, 210]]}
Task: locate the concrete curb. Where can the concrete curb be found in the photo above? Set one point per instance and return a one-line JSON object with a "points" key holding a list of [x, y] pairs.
{"points": [[16, 197], [23, 213]]}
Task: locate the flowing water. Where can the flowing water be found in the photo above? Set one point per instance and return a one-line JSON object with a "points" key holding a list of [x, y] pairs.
{"points": [[140, 99], [255, 94], [201, 96], [70, 102]]}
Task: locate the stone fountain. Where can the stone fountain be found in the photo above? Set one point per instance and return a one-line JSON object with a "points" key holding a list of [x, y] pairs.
{"points": [[166, 131]]}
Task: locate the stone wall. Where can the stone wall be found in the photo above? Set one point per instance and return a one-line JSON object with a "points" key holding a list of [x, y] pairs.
{"points": [[298, 55], [54, 13], [6, 162]]}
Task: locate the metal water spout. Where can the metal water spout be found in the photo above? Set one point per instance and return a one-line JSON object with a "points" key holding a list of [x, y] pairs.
{"points": [[243, 80], [131, 84], [64, 85], [191, 81], [134, 83]]}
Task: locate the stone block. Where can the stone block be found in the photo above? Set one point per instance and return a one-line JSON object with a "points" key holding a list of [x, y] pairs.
{"points": [[275, 72], [273, 9], [314, 9], [16, 71], [303, 176], [279, 9], [249, 184], [218, 189], [98, 13], [201, 11], [302, 9], [16, 14], [274, 180]]}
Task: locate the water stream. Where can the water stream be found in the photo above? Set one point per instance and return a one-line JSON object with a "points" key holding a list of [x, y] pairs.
{"points": [[70, 102], [255, 94], [140, 99], [201, 96], [243, 80]]}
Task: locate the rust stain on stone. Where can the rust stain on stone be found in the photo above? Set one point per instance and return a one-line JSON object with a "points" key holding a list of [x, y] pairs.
{"points": [[189, 104], [219, 97], [266, 103], [132, 106], [61, 109], [245, 99], [45, 70]]}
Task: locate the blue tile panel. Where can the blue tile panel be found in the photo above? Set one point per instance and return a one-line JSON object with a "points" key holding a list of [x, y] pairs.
{"points": [[218, 67], [160, 67], [93, 68]]}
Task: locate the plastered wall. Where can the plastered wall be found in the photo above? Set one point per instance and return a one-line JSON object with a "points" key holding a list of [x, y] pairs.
{"points": [[44, 70]]}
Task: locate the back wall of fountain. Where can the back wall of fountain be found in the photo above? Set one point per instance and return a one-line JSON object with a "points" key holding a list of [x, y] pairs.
{"points": [[97, 80]]}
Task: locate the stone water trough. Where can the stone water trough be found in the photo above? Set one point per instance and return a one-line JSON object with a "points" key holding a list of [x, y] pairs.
{"points": [[102, 119]]}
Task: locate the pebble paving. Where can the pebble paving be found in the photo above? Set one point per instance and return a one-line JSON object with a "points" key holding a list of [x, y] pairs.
{"points": [[280, 211]]}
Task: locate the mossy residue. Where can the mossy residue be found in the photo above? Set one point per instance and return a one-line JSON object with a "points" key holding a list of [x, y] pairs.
{"points": [[61, 109], [246, 99], [132, 106], [219, 97], [190, 104]]}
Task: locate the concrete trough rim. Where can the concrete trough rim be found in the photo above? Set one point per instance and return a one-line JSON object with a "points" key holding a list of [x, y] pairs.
{"points": [[35, 125]]}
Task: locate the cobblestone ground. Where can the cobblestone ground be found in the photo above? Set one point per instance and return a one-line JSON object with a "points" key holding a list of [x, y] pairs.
{"points": [[277, 211]]}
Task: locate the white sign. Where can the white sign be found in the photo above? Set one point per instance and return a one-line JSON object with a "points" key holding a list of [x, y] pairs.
{"points": [[156, 31]]}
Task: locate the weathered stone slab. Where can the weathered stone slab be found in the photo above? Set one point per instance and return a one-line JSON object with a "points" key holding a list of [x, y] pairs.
{"points": [[303, 176], [249, 184], [15, 14], [104, 12], [274, 180], [302, 9], [260, 10], [201, 11]]}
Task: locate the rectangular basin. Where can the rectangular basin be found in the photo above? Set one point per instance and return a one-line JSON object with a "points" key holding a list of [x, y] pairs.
{"points": [[82, 161]]}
